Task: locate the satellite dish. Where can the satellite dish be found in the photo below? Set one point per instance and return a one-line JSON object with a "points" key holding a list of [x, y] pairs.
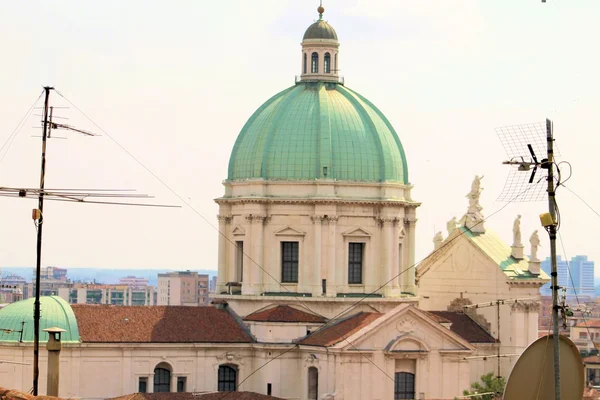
{"points": [[532, 377]]}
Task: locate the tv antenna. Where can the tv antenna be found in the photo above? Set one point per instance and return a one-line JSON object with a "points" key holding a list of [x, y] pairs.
{"points": [[523, 144], [94, 196]]}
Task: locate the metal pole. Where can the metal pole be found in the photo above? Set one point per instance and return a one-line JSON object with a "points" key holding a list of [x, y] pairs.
{"points": [[498, 334], [38, 267], [554, 274]]}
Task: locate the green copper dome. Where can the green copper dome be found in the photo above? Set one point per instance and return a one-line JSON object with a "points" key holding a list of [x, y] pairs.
{"points": [[318, 130], [54, 311], [320, 30]]}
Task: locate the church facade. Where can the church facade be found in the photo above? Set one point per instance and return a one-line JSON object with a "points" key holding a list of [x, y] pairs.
{"points": [[317, 294]]}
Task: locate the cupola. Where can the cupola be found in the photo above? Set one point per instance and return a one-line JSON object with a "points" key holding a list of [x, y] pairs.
{"points": [[320, 49]]}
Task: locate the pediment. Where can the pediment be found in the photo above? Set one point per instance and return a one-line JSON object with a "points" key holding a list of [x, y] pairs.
{"points": [[357, 232], [289, 231], [406, 329], [238, 231], [402, 233]]}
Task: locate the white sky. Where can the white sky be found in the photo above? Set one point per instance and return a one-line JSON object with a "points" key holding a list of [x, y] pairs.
{"points": [[174, 82]]}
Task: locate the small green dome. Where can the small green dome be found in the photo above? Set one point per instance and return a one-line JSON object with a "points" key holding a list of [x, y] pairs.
{"points": [[54, 311], [318, 130], [320, 30]]}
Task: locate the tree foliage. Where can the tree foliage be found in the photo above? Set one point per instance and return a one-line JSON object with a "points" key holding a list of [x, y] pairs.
{"points": [[489, 383]]}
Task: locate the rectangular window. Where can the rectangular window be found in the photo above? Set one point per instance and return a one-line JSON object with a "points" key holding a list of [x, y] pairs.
{"points": [[269, 389], [239, 261], [289, 262], [143, 385], [355, 262], [181, 384], [582, 335], [404, 386]]}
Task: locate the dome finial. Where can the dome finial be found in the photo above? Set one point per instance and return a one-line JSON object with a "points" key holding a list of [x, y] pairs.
{"points": [[321, 10]]}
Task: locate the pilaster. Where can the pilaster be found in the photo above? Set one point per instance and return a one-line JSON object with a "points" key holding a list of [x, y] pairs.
{"points": [[316, 281], [332, 282], [222, 273], [253, 268], [408, 275]]}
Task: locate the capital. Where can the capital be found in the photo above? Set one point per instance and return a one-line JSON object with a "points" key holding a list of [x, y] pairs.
{"points": [[256, 218], [224, 218], [317, 219], [332, 219]]}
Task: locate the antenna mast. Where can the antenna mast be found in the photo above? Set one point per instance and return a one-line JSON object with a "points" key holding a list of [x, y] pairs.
{"points": [[39, 213], [513, 138]]}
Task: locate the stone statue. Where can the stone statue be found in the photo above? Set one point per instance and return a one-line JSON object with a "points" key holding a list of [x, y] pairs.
{"points": [[437, 240], [517, 232], [535, 243], [451, 225], [476, 185]]}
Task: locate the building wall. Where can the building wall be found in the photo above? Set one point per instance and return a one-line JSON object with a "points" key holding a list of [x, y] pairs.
{"points": [[323, 231]]}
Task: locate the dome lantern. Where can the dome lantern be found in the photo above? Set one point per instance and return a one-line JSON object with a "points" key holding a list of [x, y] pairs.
{"points": [[320, 48]]}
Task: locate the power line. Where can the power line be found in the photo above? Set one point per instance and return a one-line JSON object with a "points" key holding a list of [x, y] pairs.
{"points": [[265, 271], [18, 128], [580, 198]]}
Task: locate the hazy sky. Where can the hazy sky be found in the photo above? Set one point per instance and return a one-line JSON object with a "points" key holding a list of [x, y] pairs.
{"points": [[174, 82]]}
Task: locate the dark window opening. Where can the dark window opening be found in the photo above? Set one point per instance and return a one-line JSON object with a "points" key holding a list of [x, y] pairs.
{"points": [[304, 66], [313, 383], [314, 63], [162, 380], [239, 261], [289, 262], [355, 262], [269, 389], [404, 386], [227, 379], [181, 380], [143, 385], [324, 285], [327, 63]]}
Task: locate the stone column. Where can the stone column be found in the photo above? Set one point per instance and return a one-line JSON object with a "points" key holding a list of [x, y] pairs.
{"points": [[387, 232], [248, 264], [222, 276], [396, 258], [408, 276], [316, 285], [150, 388], [331, 249], [173, 383], [255, 266]]}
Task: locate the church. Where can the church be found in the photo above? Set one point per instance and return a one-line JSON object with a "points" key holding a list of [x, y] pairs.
{"points": [[318, 295]]}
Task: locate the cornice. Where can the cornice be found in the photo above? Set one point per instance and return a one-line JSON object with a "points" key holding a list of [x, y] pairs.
{"points": [[321, 201]]}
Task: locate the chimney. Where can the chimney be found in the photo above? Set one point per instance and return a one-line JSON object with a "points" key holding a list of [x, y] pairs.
{"points": [[53, 346]]}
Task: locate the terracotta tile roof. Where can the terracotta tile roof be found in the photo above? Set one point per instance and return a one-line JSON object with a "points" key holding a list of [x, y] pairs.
{"points": [[340, 330], [465, 326], [157, 324], [9, 394], [592, 360], [284, 314], [197, 396], [590, 323]]}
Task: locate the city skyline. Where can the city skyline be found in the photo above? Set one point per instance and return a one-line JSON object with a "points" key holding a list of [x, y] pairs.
{"points": [[479, 88]]}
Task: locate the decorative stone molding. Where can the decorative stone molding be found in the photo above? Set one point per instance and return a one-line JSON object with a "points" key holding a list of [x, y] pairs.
{"points": [[332, 219], [311, 360], [524, 306], [317, 218], [410, 220], [382, 221], [226, 218], [228, 358], [256, 218], [266, 201], [289, 231]]}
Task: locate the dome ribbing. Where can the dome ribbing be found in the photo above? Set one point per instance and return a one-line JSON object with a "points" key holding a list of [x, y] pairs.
{"points": [[55, 312], [320, 30], [318, 130]]}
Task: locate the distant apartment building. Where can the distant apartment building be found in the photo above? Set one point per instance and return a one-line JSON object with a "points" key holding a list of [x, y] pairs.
{"points": [[580, 281], [182, 288], [11, 283], [134, 281], [212, 286], [53, 273], [119, 295]]}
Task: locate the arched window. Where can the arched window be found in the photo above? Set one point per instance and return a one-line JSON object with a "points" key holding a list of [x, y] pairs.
{"points": [[327, 66], [313, 383], [404, 386], [304, 68], [162, 378], [315, 63], [227, 378]]}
